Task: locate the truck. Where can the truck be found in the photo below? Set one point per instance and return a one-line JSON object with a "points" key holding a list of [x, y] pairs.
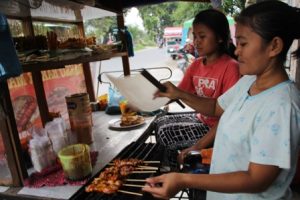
{"points": [[172, 37]]}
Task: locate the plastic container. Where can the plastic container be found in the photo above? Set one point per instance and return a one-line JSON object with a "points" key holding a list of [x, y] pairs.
{"points": [[80, 116], [76, 162]]}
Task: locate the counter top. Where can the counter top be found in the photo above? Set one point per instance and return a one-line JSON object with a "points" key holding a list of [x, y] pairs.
{"points": [[109, 143]]}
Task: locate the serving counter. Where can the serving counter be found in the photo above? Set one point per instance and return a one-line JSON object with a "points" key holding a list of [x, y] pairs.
{"points": [[109, 143]]}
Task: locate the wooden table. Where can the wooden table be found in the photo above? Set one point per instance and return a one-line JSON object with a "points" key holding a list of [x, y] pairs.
{"points": [[109, 143]]}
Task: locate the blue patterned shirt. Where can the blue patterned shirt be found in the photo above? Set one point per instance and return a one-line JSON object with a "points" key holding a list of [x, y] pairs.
{"points": [[262, 129]]}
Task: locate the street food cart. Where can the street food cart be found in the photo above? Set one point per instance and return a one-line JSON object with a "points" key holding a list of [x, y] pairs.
{"points": [[107, 142]]}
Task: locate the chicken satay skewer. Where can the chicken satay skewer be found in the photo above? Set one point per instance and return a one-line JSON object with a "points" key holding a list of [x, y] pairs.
{"points": [[142, 172], [135, 180], [133, 185], [133, 193], [151, 161], [147, 167], [132, 161]]}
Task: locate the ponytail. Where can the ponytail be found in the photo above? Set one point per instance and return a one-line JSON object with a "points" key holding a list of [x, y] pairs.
{"points": [[296, 30], [230, 50]]}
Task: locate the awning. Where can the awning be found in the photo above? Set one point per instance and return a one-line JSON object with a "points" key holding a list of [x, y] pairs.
{"points": [[57, 10]]}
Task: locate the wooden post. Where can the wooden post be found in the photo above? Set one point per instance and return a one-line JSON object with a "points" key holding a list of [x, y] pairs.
{"points": [[27, 26], [37, 79], [41, 96], [87, 70], [125, 59]]}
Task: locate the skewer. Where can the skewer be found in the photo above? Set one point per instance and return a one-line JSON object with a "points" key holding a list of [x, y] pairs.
{"points": [[133, 185], [142, 172], [146, 161], [151, 161], [147, 168], [133, 193], [136, 180]]}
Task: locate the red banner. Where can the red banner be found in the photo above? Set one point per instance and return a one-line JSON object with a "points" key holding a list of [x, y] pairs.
{"points": [[58, 83]]}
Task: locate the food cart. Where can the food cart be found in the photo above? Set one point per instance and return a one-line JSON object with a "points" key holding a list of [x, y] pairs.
{"points": [[107, 142]]}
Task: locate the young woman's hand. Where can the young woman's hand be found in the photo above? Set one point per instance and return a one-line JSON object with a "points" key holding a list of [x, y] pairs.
{"points": [[172, 91], [184, 152], [164, 186]]}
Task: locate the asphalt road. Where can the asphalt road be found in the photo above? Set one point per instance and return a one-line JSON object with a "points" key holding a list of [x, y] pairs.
{"points": [[147, 58]]}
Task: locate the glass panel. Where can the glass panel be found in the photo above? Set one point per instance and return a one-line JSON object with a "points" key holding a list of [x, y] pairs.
{"points": [[5, 174], [15, 28], [63, 31], [102, 29]]}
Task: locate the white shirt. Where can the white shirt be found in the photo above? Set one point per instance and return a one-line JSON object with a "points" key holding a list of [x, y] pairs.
{"points": [[262, 129]]}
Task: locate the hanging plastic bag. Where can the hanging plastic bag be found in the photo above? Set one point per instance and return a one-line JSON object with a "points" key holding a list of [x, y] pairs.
{"points": [[9, 62], [114, 98]]}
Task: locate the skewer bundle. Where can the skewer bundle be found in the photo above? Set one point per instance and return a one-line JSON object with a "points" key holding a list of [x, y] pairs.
{"points": [[112, 178]]}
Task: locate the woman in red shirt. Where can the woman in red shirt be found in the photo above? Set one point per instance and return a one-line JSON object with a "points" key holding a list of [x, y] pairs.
{"points": [[210, 75]]}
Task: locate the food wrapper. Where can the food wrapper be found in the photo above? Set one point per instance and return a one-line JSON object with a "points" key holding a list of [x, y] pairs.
{"points": [[41, 152]]}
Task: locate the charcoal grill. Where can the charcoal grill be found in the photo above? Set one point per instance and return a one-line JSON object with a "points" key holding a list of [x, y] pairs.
{"points": [[143, 151]]}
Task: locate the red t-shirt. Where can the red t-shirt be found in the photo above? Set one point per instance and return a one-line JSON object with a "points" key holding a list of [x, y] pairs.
{"points": [[210, 80]]}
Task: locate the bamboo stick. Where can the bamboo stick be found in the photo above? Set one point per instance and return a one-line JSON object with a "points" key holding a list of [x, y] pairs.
{"points": [[151, 161], [143, 172], [145, 169], [133, 185], [133, 193], [148, 167], [135, 180], [146, 162]]}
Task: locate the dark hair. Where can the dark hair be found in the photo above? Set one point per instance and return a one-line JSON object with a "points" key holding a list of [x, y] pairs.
{"points": [[271, 19], [218, 23]]}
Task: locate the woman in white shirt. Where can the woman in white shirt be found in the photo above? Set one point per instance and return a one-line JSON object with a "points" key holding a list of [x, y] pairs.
{"points": [[257, 140]]}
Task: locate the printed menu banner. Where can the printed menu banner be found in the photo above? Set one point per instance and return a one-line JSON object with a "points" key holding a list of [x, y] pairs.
{"points": [[58, 83]]}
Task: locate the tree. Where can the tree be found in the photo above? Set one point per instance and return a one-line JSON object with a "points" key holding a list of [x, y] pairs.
{"points": [[187, 10], [157, 17], [233, 7], [99, 27]]}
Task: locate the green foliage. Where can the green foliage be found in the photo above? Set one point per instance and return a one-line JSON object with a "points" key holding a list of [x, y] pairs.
{"points": [[186, 11], [233, 7], [99, 27], [140, 38], [157, 17]]}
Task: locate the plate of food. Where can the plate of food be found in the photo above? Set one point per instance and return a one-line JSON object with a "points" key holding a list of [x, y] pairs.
{"points": [[127, 122]]}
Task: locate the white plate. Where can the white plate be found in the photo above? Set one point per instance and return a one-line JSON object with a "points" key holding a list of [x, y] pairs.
{"points": [[115, 124]]}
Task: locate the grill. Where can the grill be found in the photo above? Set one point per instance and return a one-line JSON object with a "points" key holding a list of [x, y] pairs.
{"points": [[142, 151]]}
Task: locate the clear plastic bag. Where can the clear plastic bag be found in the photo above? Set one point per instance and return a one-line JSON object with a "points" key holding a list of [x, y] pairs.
{"points": [[41, 151], [114, 98], [56, 131]]}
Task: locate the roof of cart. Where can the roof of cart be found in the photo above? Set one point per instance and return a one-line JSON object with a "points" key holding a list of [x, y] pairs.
{"points": [[71, 10], [56, 10], [118, 5]]}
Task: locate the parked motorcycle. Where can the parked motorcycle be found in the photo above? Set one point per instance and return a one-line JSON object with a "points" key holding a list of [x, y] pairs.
{"points": [[184, 59]]}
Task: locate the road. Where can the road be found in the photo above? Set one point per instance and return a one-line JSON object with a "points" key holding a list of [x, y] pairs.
{"points": [[147, 58]]}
